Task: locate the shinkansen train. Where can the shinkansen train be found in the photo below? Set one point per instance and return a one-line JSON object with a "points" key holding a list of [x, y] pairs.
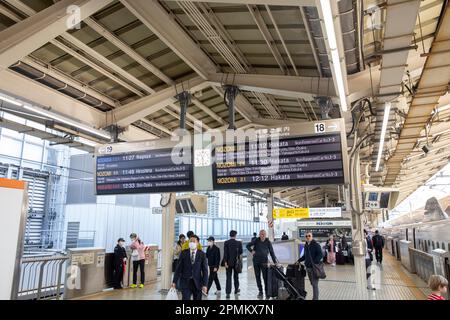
{"points": [[427, 228]]}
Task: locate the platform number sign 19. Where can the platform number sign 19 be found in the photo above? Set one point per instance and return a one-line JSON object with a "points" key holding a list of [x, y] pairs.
{"points": [[319, 127]]}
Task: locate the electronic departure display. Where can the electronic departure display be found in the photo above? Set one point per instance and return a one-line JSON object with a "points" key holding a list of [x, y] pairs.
{"points": [[314, 159], [143, 171]]}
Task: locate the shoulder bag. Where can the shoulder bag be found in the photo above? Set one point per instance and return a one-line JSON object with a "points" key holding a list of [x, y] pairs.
{"points": [[318, 269]]}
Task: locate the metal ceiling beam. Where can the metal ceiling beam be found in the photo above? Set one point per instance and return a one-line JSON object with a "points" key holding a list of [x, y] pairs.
{"points": [[434, 80], [131, 112], [38, 94], [295, 3], [359, 84], [257, 17], [153, 15], [30, 34]]}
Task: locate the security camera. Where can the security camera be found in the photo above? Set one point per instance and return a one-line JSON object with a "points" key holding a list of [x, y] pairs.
{"points": [[426, 148]]}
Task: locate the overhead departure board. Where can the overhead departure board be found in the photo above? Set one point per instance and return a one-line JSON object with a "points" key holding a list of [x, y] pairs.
{"points": [[314, 154], [145, 167]]}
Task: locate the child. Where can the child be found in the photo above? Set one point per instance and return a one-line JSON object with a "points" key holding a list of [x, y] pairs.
{"points": [[438, 284]]}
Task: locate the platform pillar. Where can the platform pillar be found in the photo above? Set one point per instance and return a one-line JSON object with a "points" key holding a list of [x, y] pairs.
{"points": [[168, 236], [271, 230], [359, 243]]}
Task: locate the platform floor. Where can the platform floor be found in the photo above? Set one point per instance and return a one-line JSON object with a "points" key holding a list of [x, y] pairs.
{"points": [[395, 283]]}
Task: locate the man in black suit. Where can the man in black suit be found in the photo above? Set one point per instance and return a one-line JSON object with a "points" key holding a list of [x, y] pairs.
{"points": [[120, 256], [231, 253], [192, 269], [213, 255]]}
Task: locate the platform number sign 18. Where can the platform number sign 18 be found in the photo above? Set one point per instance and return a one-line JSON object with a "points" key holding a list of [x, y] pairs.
{"points": [[319, 127]]}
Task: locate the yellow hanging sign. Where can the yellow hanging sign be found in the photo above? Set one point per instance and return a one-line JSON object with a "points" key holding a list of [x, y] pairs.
{"points": [[296, 213]]}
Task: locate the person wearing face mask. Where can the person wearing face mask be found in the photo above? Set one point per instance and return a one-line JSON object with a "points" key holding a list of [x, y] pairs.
{"points": [[120, 258], [213, 256], [192, 271]]}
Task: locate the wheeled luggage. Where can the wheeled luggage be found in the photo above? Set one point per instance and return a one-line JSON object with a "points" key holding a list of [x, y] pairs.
{"points": [[340, 258], [291, 284], [273, 282]]}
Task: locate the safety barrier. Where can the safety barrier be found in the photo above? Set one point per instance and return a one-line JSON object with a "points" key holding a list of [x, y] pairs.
{"points": [[42, 277], [422, 263]]}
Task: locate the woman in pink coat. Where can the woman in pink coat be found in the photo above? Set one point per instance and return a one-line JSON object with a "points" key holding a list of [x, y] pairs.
{"points": [[138, 259]]}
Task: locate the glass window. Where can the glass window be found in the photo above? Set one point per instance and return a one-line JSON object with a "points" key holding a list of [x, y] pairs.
{"points": [[10, 147], [217, 227], [32, 152], [225, 227], [205, 231]]}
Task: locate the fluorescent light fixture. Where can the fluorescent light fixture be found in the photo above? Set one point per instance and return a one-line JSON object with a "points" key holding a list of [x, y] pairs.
{"points": [[68, 121], [86, 142], [332, 42], [387, 109], [10, 101]]}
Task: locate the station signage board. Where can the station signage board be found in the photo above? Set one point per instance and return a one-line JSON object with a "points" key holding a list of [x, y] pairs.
{"points": [[305, 213], [153, 166], [299, 155]]}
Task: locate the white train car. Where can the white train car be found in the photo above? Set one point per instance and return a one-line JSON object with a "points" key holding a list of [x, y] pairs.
{"points": [[427, 228]]}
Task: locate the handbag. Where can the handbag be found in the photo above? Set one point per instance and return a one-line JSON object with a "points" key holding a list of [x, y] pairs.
{"points": [[318, 269], [172, 294]]}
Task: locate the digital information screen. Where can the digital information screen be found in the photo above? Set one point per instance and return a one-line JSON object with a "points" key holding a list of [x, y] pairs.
{"points": [[146, 171], [302, 161]]}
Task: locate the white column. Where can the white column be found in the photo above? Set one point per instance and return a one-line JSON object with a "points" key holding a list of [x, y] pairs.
{"points": [[270, 231], [358, 244], [168, 235]]}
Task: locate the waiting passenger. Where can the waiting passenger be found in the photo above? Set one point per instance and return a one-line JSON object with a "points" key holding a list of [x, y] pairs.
{"points": [[368, 258], [192, 270], [378, 244], [177, 250], [331, 248], [120, 258], [232, 252], [260, 249], [138, 258], [254, 237], [185, 246], [439, 286], [312, 255], [213, 256], [284, 236]]}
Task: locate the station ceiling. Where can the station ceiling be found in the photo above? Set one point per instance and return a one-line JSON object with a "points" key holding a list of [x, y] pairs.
{"points": [[129, 58]]}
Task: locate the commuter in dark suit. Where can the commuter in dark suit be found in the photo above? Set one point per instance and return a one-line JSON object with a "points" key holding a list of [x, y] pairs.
{"points": [[213, 255], [120, 257], [231, 252], [192, 269]]}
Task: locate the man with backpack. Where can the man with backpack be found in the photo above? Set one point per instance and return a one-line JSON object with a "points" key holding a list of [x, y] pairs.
{"points": [[378, 244]]}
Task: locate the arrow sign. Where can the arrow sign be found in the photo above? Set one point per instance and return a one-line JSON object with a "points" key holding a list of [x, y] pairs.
{"points": [[333, 126]]}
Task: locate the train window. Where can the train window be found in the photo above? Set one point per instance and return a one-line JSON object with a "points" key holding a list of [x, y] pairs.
{"points": [[437, 245], [443, 246], [432, 244], [448, 244]]}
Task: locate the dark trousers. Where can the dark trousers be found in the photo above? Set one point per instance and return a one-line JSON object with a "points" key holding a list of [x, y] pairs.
{"points": [[260, 268], [213, 277], [230, 271], [141, 265], [379, 254], [314, 283], [118, 276], [191, 290], [368, 264]]}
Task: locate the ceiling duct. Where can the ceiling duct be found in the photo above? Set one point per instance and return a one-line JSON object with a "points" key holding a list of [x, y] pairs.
{"points": [[349, 28]]}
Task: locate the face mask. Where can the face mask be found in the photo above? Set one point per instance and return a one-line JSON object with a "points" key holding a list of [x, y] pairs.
{"points": [[192, 245]]}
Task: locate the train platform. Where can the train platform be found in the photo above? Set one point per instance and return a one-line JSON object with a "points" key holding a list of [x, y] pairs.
{"points": [[394, 283]]}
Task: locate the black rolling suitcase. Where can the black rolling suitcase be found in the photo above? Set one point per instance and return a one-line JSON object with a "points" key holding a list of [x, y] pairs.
{"points": [[340, 258], [273, 282], [296, 275]]}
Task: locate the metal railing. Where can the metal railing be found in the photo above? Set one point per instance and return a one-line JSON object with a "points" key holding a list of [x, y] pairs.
{"points": [[422, 263], [42, 277]]}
